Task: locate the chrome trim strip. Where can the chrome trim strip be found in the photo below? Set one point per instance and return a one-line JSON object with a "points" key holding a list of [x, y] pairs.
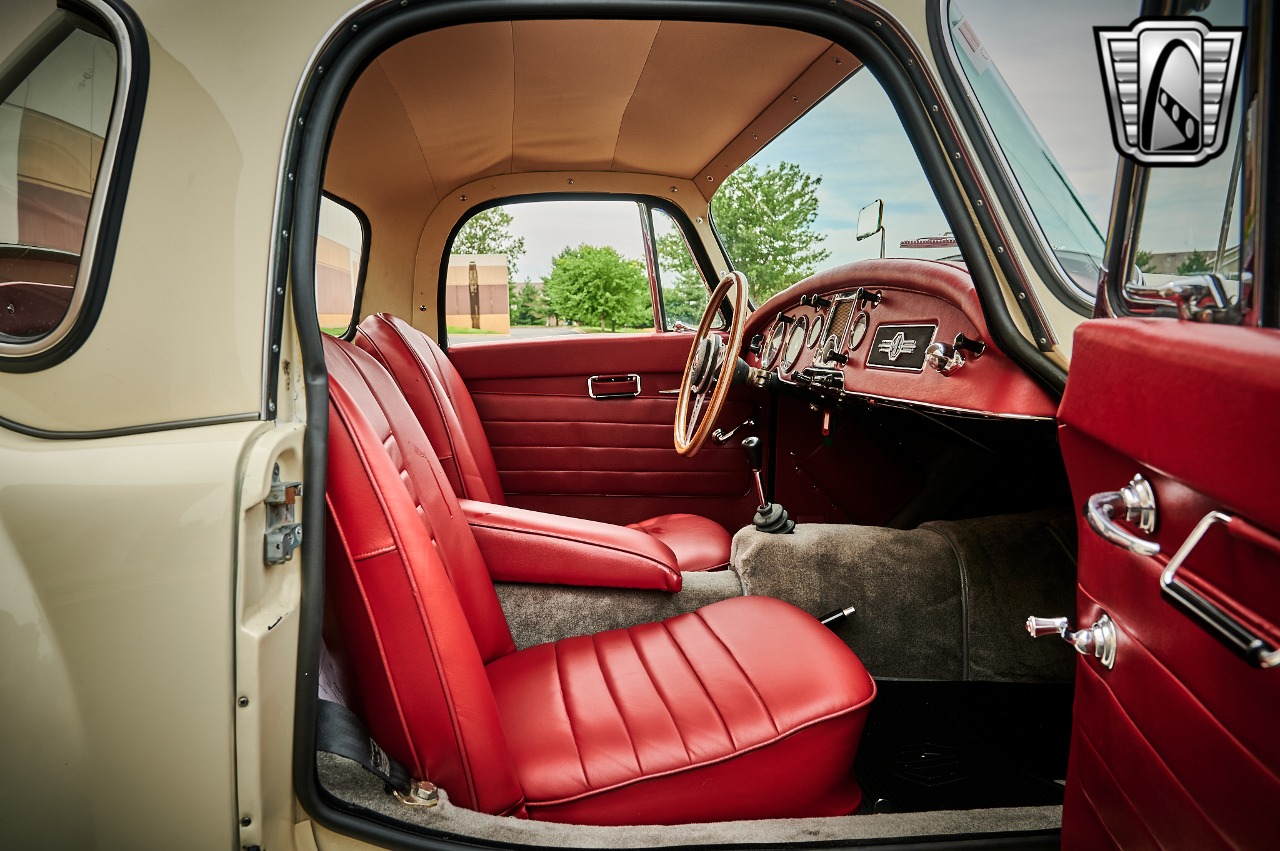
{"points": [[106, 168]]}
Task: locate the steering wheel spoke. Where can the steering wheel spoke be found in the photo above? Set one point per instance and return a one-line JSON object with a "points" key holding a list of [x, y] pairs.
{"points": [[708, 373]]}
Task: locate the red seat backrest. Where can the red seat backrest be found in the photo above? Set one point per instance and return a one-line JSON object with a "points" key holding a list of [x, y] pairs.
{"points": [[438, 396], [406, 583]]}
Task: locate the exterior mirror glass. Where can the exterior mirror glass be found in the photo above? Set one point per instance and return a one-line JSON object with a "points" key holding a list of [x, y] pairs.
{"points": [[870, 219]]}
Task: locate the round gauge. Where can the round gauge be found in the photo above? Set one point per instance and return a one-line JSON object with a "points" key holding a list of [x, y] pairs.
{"points": [[773, 345], [795, 343], [815, 333], [859, 330]]}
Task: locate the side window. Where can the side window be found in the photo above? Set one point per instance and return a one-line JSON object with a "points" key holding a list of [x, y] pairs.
{"points": [[58, 84], [684, 292], [794, 207], [541, 268], [341, 250]]}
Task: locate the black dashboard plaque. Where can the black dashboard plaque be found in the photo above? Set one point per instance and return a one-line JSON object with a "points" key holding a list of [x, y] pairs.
{"points": [[900, 347]]}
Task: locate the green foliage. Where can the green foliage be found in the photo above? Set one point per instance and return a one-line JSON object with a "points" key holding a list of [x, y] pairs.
{"points": [[1143, 261], [765, 218], [528, 304], [597, 285], [686, 299], [489, 232], [1195, 263]]}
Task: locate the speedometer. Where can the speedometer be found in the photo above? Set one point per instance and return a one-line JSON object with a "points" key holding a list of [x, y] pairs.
{"points": [[795, 343], [773, 345]]}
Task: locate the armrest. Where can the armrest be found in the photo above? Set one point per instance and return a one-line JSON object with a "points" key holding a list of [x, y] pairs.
{"points": [[529, 546]]}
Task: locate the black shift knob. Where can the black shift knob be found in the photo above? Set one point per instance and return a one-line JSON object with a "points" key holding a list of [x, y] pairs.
{"points": [[755, 452]]}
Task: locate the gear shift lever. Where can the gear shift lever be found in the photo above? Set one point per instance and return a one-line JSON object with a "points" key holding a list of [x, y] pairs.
{"points": [[770, 517]]}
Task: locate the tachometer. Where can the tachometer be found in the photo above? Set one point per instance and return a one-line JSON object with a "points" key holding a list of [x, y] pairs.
{"points": [[795, 343]]}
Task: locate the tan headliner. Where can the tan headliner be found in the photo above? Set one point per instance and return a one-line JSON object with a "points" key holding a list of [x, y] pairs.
{"points": [[600, 100]]}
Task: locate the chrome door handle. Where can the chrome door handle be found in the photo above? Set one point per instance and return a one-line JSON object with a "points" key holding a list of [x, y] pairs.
{"points": [[1138, 501]]}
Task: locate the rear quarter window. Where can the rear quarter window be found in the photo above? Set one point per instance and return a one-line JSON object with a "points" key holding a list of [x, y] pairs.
{"points": [[61, 96]]}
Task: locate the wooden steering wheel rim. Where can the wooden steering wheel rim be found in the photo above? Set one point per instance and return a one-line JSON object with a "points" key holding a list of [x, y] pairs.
{"points": [[690, 444]]}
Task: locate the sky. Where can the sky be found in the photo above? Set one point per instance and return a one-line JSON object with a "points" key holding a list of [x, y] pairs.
{"points": [[855, 142]]}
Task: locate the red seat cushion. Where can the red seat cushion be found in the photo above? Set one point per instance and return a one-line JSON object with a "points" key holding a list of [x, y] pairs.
{"points": [[747, 708], [698, 543]]}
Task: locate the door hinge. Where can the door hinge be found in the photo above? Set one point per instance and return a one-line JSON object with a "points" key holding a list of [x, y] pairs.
{"points": [[284, 533]]}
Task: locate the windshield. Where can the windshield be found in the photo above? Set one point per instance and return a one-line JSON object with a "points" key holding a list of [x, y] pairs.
{"points": [[1069, 104]]}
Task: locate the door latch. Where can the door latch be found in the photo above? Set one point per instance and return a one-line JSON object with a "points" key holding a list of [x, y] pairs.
{"points": [[284, 533]]}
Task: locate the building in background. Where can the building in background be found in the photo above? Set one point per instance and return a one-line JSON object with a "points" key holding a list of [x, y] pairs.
{"points": [[476, 293]]}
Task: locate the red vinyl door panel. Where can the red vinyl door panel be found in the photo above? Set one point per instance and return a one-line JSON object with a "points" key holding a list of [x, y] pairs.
{"points": [[612, 460], [1177, 745]]}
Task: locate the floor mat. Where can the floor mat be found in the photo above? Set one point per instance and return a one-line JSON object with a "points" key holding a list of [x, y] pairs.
{"points": [[957, 746]]}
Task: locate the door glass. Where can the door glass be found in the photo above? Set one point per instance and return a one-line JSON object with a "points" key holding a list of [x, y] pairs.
{"points": [[340, 250], [684, 292], [1191, 218], [543, 268]]}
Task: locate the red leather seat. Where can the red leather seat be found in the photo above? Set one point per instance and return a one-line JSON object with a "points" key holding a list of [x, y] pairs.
{"points": [[672, 722], [439, 397]]}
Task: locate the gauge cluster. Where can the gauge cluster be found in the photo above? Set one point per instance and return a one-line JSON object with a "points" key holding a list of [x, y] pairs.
{"points": [[920, 345]]}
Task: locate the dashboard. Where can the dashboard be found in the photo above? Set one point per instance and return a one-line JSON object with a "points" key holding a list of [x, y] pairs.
{"points": [[898, 332]]}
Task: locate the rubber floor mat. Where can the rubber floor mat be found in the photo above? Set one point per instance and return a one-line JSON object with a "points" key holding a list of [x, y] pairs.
{"points": [[960, 746]]}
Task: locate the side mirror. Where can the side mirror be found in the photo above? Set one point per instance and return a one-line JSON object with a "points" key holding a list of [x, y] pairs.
{"points": [[871, 222], [871, 219]]}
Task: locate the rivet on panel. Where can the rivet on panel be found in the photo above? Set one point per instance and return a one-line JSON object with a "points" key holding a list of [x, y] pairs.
{"points": [[271, 406], [935, 107], [877, 23], [698, 220], [956, 155], [1022, 296], [979, 202], [355, 27], [675, 189], [839, 61], [795, 99], [999, 249], [709, 177], [1043, 341], [242, 702], [422, 307], [246, 821], [279, 290], [275, 348], [571, 181], [462, 197]]}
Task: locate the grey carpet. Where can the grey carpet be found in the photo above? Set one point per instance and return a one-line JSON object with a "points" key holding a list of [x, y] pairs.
{"points": [[349, 782], [945, 601], [541, 613]]}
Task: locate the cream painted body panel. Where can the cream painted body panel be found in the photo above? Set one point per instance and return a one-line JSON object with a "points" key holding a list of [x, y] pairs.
{"points": [[181, 335], [117, 586]]}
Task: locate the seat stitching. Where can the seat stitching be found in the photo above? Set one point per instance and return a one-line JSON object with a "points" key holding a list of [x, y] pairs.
{"points": [[617, 705], [564, 700], [661, 698], [727, 732], [776, 729]]}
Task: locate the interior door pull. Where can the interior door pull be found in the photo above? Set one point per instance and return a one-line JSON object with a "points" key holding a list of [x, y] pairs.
{"points": [[614, 386], [1252, 647], [1138, 501]]}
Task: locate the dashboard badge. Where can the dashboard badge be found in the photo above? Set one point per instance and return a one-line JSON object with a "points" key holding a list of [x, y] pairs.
{"points": [[900, 347]]}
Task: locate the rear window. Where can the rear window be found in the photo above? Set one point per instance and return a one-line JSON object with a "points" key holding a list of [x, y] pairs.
{"points": [[59, 83]]}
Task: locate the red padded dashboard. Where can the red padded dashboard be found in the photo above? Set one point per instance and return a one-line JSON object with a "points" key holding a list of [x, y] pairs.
{"points": [[929, 301]]}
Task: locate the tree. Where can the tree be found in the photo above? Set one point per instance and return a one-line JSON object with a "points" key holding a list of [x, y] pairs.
{"points": [[1144, 261], [1195, 263], [489, 232], [528, 304], [596, 284], [765, 218]]}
